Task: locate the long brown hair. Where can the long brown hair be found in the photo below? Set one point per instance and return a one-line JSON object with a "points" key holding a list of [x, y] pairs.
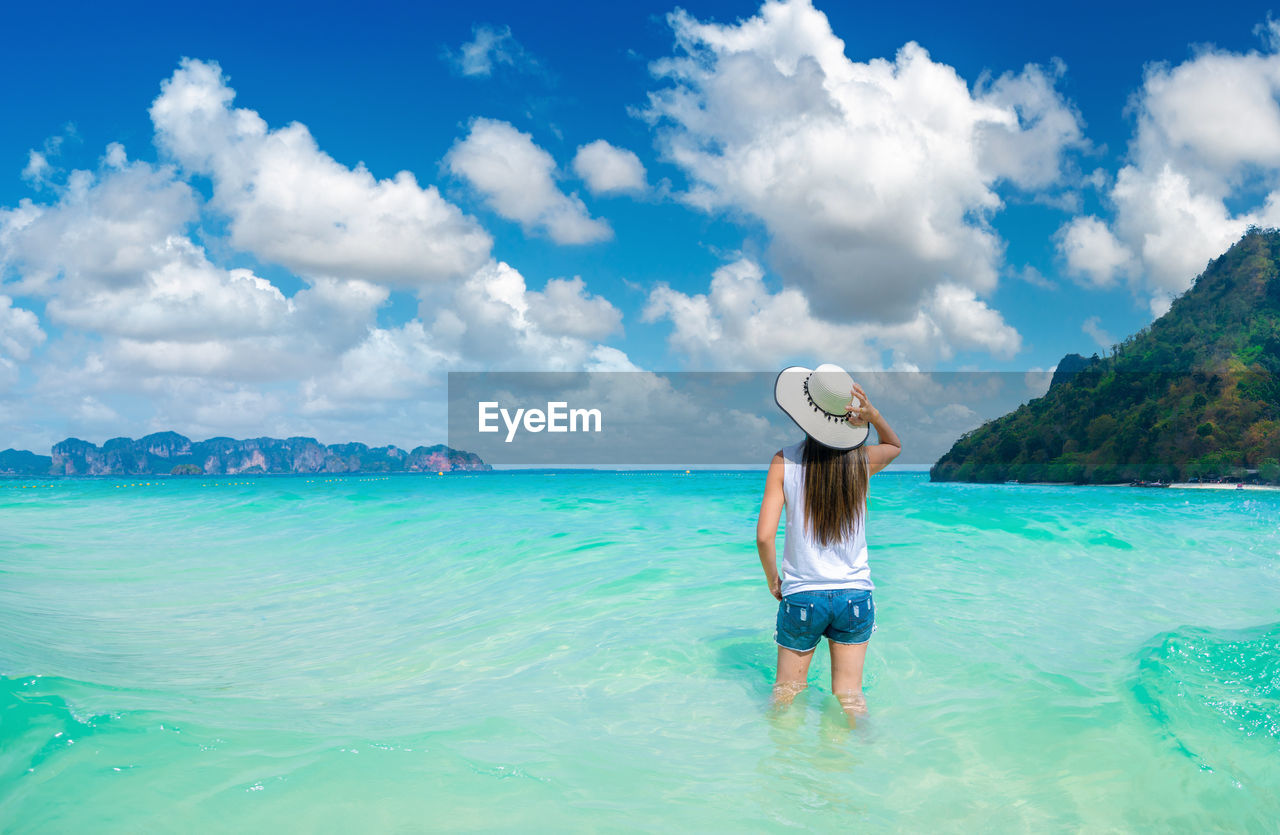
{"points": [[835, 490]]}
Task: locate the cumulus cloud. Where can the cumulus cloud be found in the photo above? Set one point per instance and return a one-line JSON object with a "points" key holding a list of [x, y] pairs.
{"points": [[287, 338], [1204, 164], [490, 321], [92, 410], [607, 169], [608, 358], [20, 333], [967, 322], [495, 321], [291, 203], [185, 298], [37, 168], [487, 47], [740, 324], [875, 180], [1028, 150], [212, 407], [1173, 227], [389, 364], [40, 169], [1092, 251], [564, 306], [20, 330], [155, 333], [517, 179], [112, 257], [103, 228]]}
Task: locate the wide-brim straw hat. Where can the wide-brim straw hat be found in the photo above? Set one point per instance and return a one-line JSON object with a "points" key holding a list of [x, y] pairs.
{"points": [[816, 399]]}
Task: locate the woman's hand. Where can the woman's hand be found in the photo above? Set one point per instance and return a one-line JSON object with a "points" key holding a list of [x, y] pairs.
{"points": [[861, 412], [775, 587]]}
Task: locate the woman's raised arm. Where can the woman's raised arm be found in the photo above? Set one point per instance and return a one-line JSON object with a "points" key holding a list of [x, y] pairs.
{"points": [[890, 446]]}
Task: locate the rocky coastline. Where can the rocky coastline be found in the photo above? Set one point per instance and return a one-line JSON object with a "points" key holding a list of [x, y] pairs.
{"points": [[169, 453]]}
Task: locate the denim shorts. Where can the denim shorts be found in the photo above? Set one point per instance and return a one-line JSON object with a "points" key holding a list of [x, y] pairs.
{"points": [[845, 616]]}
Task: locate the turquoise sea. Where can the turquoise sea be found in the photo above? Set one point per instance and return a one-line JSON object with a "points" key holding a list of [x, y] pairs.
{"points": [[593, 651]]}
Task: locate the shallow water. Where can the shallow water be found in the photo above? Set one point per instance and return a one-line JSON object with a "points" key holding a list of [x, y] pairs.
{"points": [[585, 651]]}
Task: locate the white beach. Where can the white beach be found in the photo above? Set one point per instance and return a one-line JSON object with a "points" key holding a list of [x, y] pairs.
{"points": [[1191, 485]]}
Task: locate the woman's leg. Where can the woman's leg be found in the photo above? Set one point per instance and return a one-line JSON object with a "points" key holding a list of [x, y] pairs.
{"points": [[793, 675], [846, 676]]}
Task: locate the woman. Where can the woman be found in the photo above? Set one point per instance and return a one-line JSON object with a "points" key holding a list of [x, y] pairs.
{"points": [[825, 584]]}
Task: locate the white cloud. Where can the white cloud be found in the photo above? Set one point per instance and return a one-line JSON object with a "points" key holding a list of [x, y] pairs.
{"points": [[278, 339], [154, 333], [1034, 277], [1204, 164], [112, 257], [211, 407], [390, 364], [739, 324], [1172, 227], [1028, 150], [607, 169], [967, 322], [102, 230], [1093, 327], [37, 169], [956, 414], [490, 321], [564, 307], [495, 321], [40, 168], [92, 410], [606, 358], [1092, 252], [1038, 380], [293, 204], [1096, 179], [517, 179], [20, 333], [184, 298], [20, 330], [874, 180], [1160, 304], [1213, 114], [488, 47]]}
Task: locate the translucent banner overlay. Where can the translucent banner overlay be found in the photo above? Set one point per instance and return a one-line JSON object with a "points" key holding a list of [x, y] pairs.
{"points": [[702, 419]]}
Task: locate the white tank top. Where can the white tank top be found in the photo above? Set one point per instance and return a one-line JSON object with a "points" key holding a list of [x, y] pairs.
{"points": [[806, 565]]}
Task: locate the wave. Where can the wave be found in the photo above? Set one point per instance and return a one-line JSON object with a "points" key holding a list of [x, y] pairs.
{"points": [[36, 723], [1214, 694]]}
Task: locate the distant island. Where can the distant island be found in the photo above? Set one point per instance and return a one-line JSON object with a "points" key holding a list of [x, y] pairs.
{"points": [[168, 453], [1195, 396]]}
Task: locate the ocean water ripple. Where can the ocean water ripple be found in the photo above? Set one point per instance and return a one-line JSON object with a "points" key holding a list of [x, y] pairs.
{"points": [[594, 651], [1216, 694]]}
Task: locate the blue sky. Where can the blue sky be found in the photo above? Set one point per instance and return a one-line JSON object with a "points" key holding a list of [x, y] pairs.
{"points": [[765, 185]]}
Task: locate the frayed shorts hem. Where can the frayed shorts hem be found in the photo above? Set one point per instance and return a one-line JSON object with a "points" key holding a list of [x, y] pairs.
{"points": [[793, 649], [829, 640], [874, 627]]}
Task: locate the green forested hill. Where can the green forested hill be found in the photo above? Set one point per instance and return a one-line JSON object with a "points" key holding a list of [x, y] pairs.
{"points": [[1194, 394]]}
